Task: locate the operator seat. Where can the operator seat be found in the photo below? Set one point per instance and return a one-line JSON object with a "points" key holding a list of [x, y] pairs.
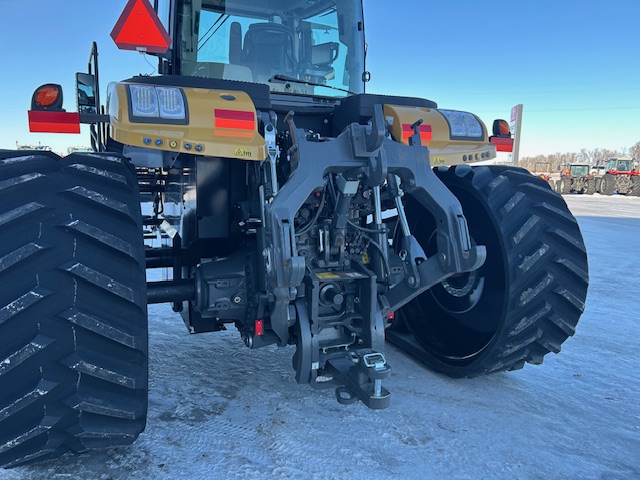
{"points": [[268, 50]]}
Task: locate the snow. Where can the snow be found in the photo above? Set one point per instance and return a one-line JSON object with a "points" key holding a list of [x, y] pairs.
{"points": [[219, 410]]}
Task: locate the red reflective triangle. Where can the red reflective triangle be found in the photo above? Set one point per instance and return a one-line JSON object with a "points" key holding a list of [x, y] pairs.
{"points": [[139, 28]]}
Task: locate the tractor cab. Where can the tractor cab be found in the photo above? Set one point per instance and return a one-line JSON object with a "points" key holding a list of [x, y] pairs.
{"points": [[301, 46], [623, 165], [579, 170]]}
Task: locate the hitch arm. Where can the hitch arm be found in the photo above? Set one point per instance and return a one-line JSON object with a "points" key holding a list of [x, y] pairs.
{"points": [[431, 272]]}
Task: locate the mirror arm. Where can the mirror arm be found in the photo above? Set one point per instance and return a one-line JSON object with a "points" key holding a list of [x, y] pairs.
{"points": [[89, 118]]}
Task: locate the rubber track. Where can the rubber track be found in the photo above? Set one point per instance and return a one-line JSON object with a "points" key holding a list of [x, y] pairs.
{"points": [[73, 356], [546, 267]]}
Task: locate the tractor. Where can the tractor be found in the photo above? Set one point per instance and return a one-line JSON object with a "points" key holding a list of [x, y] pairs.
{"points": [[621, 176], [576, 178], [285, 202], [543, 170]]}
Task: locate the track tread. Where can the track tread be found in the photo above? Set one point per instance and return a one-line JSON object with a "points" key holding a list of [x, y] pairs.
{"points": [[23, 253], [20, 356], [99, 326], [101, 173], [99, 235], [20, 213], [85, 363], [104, 282], [100, 199], [43, 388], [22, 303], [73, 308]]}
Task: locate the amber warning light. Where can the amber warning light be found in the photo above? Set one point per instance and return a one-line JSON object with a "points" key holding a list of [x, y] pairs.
{"points": [[139, 28]]}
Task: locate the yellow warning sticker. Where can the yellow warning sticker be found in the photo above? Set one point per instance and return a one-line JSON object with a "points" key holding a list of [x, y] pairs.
{"points": [[243, 152], [325, 275], [437, 160], [365, 258], [334, 275]]}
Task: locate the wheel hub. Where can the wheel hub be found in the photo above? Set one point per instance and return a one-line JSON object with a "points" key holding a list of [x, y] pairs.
{"points": [[460, 285]]}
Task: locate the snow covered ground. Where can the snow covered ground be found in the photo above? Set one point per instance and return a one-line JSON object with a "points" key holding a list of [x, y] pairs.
{"points": [[219, 410]]}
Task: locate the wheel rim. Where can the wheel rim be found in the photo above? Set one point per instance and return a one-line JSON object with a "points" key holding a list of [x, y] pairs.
{"points": [[458, 293], [456, 320]]}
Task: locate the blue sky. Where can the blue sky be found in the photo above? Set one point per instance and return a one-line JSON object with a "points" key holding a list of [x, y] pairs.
{"points": [[573, 64]]}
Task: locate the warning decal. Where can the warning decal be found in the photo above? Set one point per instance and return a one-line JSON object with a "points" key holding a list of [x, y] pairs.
{"points": [[243, 152]]}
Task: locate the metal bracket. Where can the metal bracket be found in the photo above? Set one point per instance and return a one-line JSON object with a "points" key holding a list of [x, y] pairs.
{"points": [[269, 121], [363, 149]]}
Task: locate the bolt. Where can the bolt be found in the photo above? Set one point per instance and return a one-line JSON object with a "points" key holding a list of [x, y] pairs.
{"points": [[237, 299], [411, 281], [442, 257]]}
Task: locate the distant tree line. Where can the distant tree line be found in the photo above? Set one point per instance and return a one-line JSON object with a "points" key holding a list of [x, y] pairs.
{"points": [[592, 157]]}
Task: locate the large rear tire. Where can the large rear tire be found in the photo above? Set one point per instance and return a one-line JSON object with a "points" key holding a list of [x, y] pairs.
{"points": [[565, 186], [73, 324], [608, 184], [525, 301], [635, 186]]}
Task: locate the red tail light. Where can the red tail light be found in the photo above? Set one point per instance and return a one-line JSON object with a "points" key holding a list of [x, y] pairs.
{"points": [[259, 328]]}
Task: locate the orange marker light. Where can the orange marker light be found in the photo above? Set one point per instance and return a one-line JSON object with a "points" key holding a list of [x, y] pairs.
{"points": [[46, 96], [501, 129]]}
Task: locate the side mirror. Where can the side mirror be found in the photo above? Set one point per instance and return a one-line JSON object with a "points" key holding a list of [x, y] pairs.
{"points": [[85, 93]]}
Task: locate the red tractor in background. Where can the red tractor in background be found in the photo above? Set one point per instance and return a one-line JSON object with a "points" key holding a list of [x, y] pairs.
{"points": [[543, 170], [576, 178], [621, 176]]}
